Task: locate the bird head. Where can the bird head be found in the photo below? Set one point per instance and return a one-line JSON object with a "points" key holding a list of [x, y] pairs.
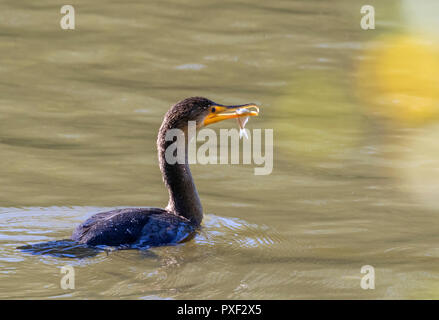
{"points": [[206, 112]]}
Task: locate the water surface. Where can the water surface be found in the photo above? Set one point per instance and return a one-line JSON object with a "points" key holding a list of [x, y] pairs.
{"points": [[355, 175]]}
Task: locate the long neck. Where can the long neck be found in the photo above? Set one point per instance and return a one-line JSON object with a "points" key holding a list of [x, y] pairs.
{"points": [[183, 195]]}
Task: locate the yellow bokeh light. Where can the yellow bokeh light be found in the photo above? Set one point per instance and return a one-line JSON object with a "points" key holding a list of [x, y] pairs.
{"points": [[399, 79]]}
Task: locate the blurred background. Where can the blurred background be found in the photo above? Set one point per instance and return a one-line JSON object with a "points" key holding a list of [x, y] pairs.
{"points": [[355, 115]]}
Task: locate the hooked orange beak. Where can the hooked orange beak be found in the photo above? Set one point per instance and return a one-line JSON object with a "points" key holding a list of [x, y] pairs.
{"points": [[220, 112]]}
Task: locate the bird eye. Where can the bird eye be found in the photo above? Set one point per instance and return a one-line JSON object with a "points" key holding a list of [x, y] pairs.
{"points": [[213, 109]]}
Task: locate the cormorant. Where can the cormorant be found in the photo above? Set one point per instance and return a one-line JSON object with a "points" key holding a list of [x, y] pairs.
{"points": [[178, 222]]}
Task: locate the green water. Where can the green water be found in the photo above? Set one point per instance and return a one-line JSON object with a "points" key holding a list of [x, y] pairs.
{"points": [[79, 114]]}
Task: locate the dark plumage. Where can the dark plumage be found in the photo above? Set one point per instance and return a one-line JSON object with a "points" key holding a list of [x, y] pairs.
{"points": [[141, 227]]}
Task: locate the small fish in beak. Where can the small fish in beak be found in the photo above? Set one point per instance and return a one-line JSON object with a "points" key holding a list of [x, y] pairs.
{"points": [[242, 121]]}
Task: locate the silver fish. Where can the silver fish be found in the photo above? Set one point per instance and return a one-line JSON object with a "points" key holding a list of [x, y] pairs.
{"points": [[242, 121]]}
